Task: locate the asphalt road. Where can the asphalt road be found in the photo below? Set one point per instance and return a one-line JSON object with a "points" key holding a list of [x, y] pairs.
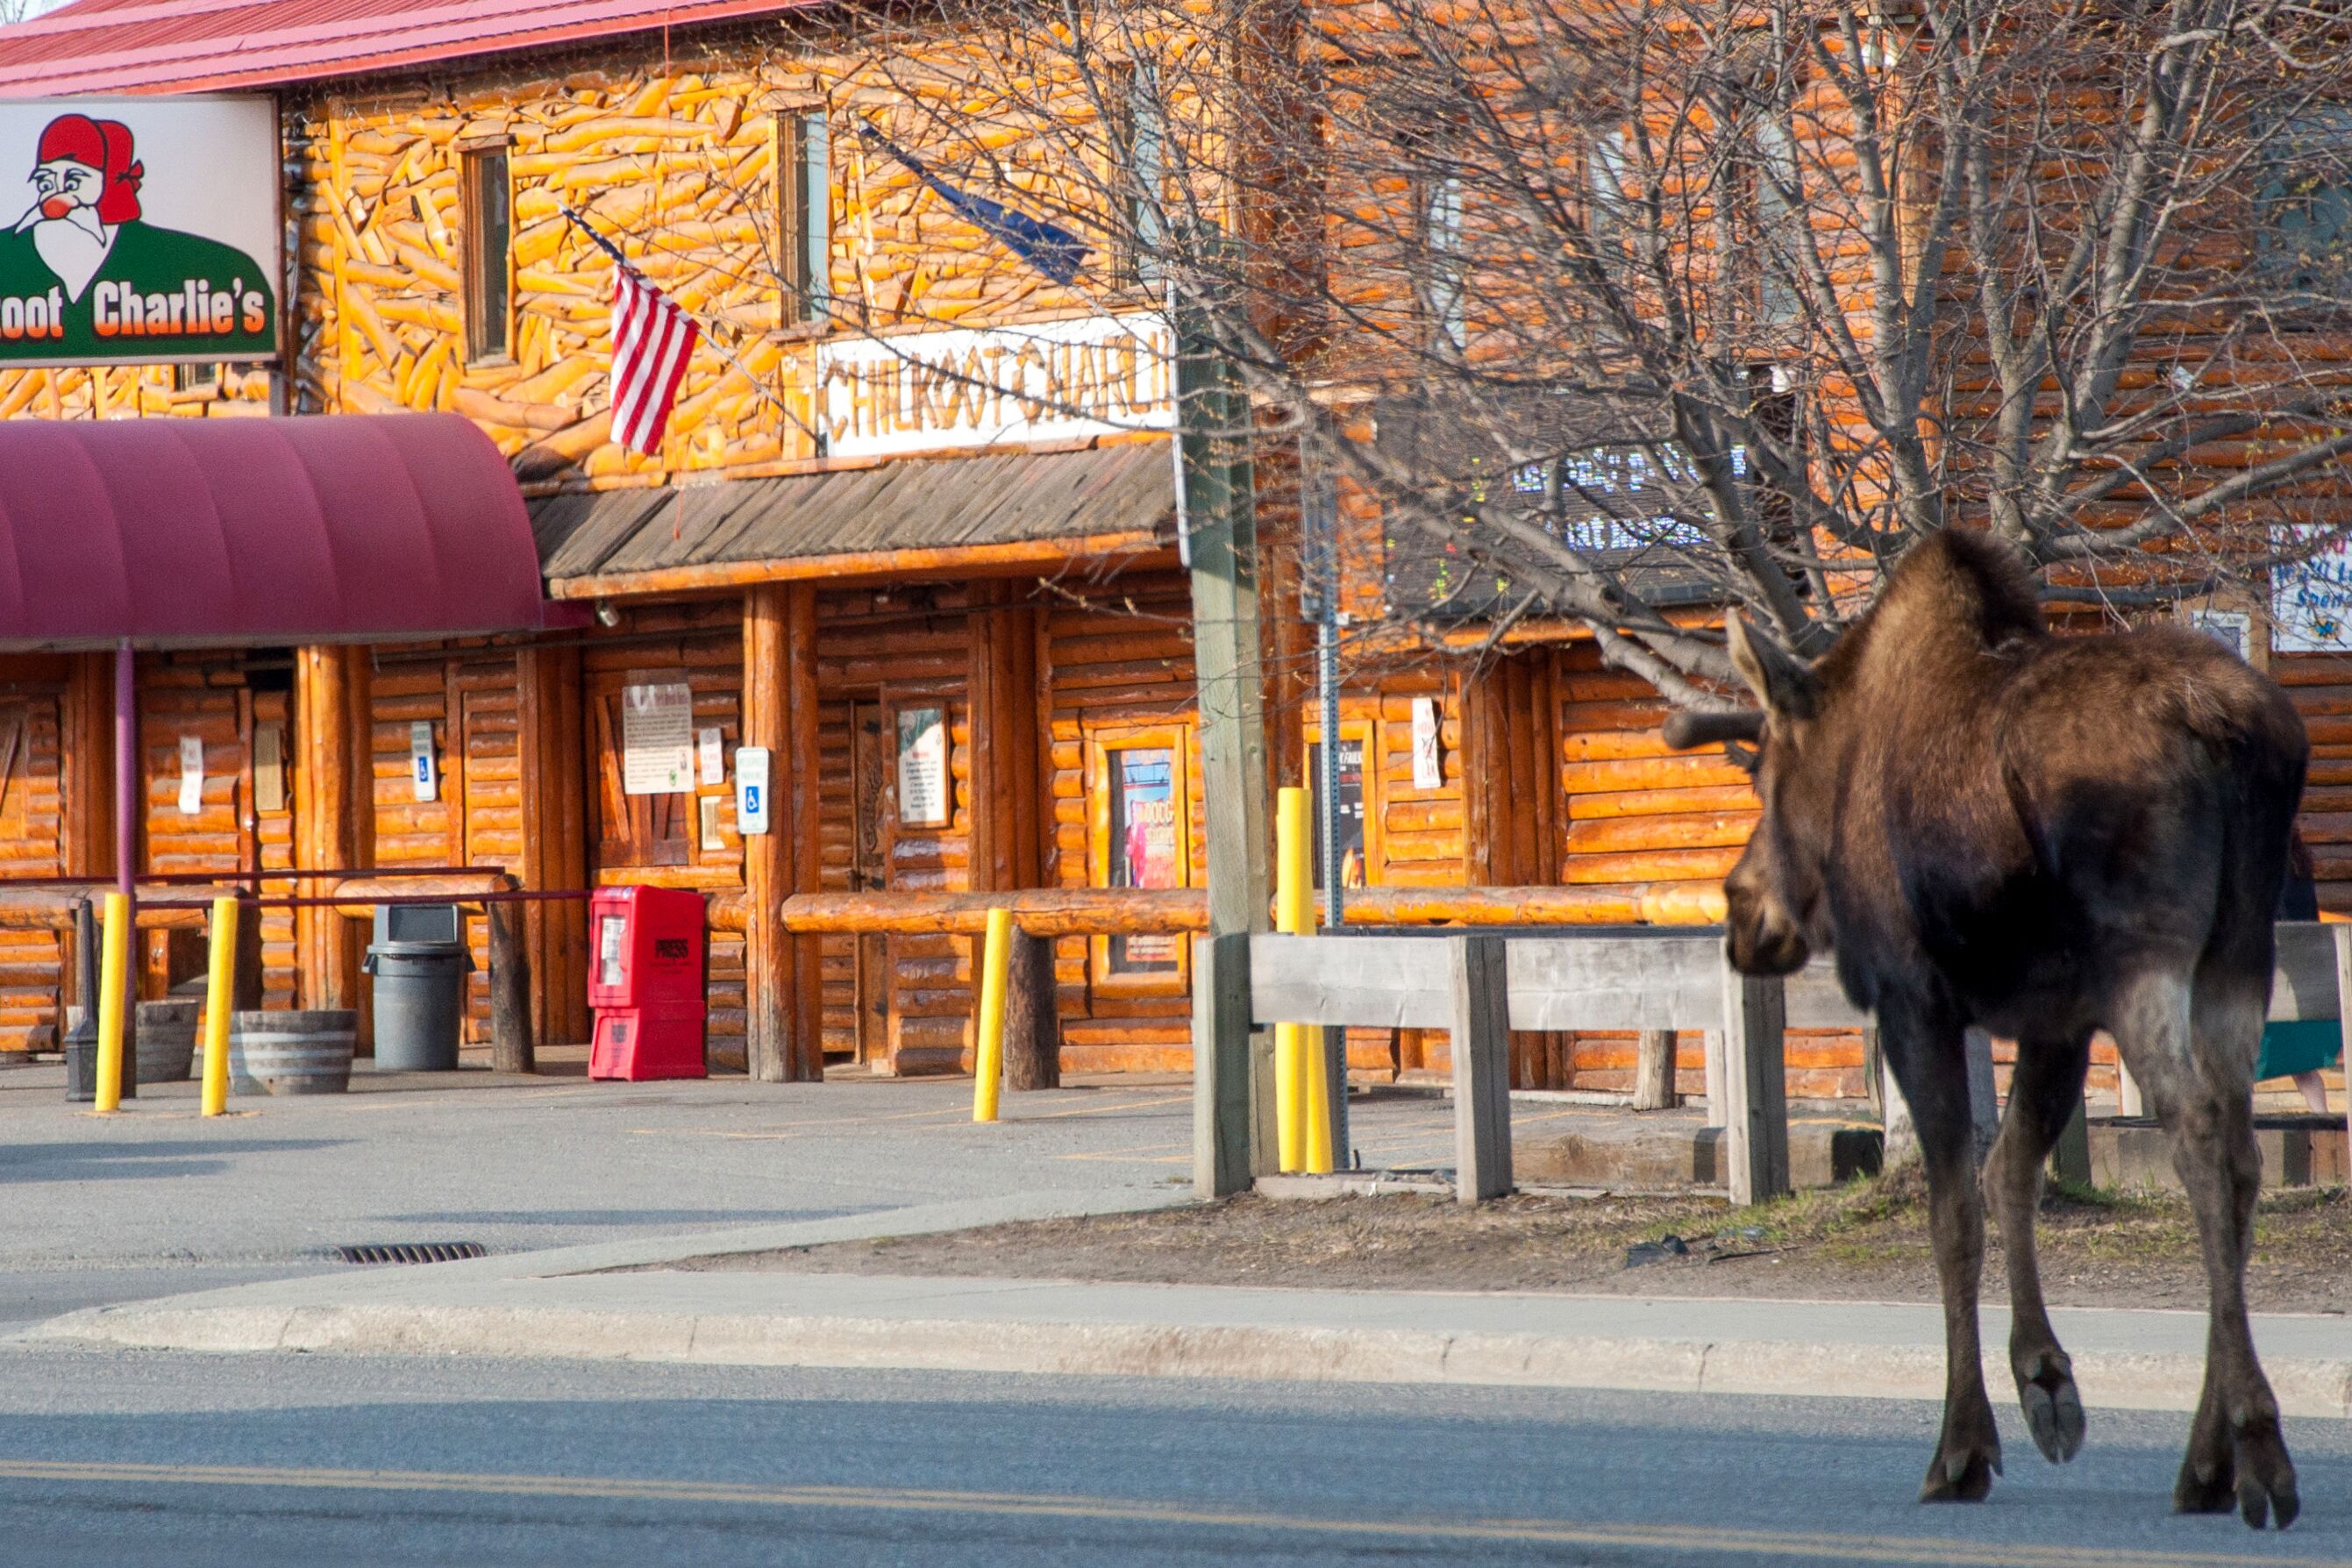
{"points": [[313, 1461]]}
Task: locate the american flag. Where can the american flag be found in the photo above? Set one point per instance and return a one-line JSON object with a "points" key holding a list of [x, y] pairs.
{"points": [[652, 340]]}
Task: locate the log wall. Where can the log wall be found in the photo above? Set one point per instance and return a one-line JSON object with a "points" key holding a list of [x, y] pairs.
{"points": [[32, 844], [215, 700]]}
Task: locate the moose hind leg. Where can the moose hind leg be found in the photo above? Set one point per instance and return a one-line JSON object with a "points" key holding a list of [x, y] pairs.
{"points": [[2042, 1096], [2198, 1077], [1930, 1066]]}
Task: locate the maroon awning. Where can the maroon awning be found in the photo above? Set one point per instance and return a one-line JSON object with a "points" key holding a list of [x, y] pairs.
{"points": [[216, 531]]}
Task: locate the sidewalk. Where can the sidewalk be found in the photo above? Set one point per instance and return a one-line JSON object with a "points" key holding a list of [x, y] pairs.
{"points": [[569, 1302]]}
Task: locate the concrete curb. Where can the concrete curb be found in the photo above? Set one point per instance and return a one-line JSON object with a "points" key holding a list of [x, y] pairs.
{"points": [[2305, 1386]]}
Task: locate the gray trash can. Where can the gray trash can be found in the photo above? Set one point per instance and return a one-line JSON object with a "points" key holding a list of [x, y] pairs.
{"points": [[420, 962]]}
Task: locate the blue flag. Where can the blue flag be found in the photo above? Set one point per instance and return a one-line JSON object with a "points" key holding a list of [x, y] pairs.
{"points": [[1050, 248]]}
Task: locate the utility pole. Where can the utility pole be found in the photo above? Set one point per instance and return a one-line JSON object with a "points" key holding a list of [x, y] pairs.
{"points": [[1233, 1069], [1318, 591]]}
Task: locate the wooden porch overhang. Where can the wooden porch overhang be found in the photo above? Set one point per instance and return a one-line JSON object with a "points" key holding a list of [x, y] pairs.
{"points": [[1003, 513]]}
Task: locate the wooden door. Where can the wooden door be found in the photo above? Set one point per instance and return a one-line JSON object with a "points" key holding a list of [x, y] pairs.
{"points": [[486, 804], [869, 867], [630, 829], [30, 845]]}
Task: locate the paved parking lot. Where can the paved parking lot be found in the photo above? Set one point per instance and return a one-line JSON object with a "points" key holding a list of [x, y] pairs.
{"points": [[158, 1200]]}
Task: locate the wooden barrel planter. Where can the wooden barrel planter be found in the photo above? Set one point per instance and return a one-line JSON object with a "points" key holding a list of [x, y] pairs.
{"points": [[163, 1039], [292, 1052]]}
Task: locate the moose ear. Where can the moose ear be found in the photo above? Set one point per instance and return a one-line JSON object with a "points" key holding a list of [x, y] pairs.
{"points": [[1784, 686]]}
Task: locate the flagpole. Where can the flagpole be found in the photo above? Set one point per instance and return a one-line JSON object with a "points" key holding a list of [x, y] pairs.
{"points": [[709, 338]]}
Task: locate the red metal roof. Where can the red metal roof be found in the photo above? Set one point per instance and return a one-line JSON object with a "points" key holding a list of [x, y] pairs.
{"points": [[186, 45], [214, 531]]}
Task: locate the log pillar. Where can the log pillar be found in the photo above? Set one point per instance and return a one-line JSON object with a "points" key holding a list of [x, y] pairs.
{"points": [[554, 842], [334, 815], [85, 788], [1654, 1071], [512, 1049], [1007, 817], [1032, 1026], [782, 978]]}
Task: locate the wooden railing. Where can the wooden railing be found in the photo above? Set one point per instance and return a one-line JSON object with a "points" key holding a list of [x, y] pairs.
{"points": [[1109, 911], [51, 905]]}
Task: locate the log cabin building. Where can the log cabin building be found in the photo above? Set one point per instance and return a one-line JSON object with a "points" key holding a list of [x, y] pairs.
{"points": [[961, 629]]}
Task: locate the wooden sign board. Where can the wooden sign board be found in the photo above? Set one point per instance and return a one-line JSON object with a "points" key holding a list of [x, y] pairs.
{"points": [[269, 767], [923, 799]]}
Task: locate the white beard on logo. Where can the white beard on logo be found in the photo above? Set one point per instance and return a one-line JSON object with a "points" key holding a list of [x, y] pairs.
{"points": [[73, 247]]}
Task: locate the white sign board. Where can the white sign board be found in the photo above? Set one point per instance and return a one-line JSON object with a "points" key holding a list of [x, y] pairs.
{"points": [[658, 739], [1428, 770], [192, 775], [1054, 380], [2233, 630], [713, 751], [750, 790], [2311, 599], [424, 769], [923, 767], [139, 230]]}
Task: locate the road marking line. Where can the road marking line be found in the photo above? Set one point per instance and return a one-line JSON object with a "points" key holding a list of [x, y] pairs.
{"points": [[1682, 1539]]}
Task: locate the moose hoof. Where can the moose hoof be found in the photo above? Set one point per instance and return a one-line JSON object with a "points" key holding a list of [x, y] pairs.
{"points": [[2204, 1487], [2054, 1408], [1961, 1473], [2250, 1473], [2266, 1477]]}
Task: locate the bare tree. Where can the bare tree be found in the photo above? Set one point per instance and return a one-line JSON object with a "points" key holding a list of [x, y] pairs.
{"points": [[1623, 310]]}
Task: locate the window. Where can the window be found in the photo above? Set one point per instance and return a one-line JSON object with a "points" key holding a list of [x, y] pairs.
{"points": [[1355, 847], [1141, 838], [193, 377], [1139, 154], [1783, 242], [1612, 183], [1441, 240], [804, 183], [485, 218], [2304, 207]]}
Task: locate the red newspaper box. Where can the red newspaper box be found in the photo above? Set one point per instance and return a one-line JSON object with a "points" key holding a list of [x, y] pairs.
{"points": [[645, 982]]}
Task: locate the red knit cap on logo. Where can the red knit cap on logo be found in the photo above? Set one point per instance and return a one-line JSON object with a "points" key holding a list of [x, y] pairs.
{"points": [[105, 145]]}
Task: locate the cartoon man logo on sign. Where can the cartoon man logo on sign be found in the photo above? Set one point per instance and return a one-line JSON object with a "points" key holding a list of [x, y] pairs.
{"points": [[82, 269]]}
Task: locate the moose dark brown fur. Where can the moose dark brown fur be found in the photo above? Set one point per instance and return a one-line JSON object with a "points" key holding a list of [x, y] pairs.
{"points": [[2043, 836]]}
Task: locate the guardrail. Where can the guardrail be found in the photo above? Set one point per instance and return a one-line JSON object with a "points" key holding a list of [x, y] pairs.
{"points": [[1480, 987]]}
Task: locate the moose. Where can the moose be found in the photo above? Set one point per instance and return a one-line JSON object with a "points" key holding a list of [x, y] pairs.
{"points": [[1989, 825]]}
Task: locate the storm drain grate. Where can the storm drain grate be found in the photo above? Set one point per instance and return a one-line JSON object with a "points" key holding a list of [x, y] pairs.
{"points": [[412, 1252]]}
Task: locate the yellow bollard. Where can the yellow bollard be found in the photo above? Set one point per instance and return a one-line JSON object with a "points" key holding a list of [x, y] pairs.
{"points": [[995, 969], [218, 998], [1294, 915], [114, 965], [1314, 1090]]}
